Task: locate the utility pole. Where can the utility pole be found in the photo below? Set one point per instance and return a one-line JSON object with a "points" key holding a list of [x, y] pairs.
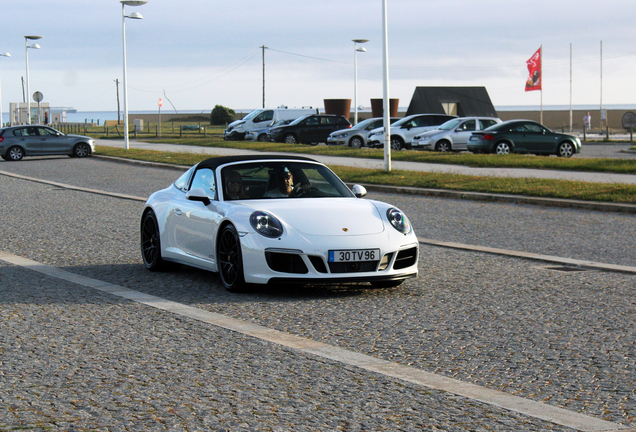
{"points": [[118, 116], [263, 48]]}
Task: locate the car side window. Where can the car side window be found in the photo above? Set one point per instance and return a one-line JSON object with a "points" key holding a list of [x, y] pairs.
{"points": [[311, 121], [486, 123], [27, 131], [184, 180], [467, 126], [421, 122], [47, 132], [204, 178], [264, 116], [534, 128]]}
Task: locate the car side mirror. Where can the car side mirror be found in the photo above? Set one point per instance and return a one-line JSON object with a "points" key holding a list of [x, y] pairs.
{"points": [[198, 194], [359, 191]]}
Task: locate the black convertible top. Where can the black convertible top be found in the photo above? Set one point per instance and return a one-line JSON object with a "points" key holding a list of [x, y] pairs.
{"points": [[221, 160]]}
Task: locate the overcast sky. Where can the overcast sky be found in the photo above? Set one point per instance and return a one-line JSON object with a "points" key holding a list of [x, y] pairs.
{"points": [[204, 52]]}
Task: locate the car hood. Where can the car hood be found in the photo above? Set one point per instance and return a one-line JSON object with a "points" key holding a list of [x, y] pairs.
{"points": [[326, 216], [81, 137]]}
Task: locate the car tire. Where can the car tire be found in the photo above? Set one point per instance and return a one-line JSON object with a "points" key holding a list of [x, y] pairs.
{"points": [[262, 138], [443, 146], [356, 142], [15, 154], [230, 260], [150, 243], [502, 148], [387, 284], [566, 149], [290, 139], [81, 150], [397, 143]]}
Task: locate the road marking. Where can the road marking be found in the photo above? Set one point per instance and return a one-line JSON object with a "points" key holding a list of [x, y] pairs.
{"points": [[497, 398]]}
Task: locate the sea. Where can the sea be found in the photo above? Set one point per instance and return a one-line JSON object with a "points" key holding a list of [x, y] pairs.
{"points": [[100, 116]]}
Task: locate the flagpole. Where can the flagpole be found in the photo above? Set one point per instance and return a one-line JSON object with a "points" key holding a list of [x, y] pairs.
{"points": [[541, 75], [570, 87]]}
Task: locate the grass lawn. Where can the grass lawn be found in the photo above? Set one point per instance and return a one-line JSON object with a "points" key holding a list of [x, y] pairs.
{"points": [[518, 186]]}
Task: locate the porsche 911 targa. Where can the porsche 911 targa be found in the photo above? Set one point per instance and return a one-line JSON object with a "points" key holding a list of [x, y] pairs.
{"points": [[275, 220]]}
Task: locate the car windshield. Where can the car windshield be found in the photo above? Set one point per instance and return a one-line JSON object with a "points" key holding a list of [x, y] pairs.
{"points": [[282, 122], [402, 121], [449, 124], [281, 179], [363, 124], [252, 114]]}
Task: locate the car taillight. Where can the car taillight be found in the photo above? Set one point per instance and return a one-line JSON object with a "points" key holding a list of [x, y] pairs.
{"points": [[488, 137], [1, 139]]}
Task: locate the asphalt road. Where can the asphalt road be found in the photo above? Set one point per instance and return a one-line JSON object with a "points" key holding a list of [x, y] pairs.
{"points": [[73, 358]]}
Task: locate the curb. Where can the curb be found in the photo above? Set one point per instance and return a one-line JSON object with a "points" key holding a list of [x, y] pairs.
{"points": [[441, 193]]}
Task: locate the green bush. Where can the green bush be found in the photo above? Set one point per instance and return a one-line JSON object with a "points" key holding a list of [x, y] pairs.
{"points": [[222, 115]]}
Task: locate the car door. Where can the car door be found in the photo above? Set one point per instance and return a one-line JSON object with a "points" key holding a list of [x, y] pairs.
{"points": [[53, 142], [535, 138], [27, 137], [193, 224], [308, 129], [415, 126], [328, 125], [462, 133]]}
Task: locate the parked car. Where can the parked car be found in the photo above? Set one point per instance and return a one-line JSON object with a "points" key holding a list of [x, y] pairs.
{"points": [[403, 131], [217, 216], [262, 118], [452, 135], [262, 134], [523, 136], [17, 142], [357, 135], [309, 129]]}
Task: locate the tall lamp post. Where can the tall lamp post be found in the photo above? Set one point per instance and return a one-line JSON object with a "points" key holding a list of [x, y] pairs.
{"points": [[134, 15], [355, 75], [26, 51], [6, 54]]}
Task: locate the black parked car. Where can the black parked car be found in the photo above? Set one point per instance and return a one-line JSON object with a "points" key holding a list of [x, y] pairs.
{"points": [[310, 129]]}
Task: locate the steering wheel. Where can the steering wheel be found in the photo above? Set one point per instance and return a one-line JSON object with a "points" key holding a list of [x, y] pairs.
{"points": [[302, 190]]}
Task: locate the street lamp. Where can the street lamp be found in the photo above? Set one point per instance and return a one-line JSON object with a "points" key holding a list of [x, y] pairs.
{"points": [[134, 15], [1, 119], [26, 50], [355, 75]]}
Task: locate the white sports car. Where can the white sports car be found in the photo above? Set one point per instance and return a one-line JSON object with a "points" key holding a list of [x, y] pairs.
{"points": [[276, 219]]}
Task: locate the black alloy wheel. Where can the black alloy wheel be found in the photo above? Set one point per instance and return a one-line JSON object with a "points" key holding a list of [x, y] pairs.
{"points": [[230, 260], [151, 243]]}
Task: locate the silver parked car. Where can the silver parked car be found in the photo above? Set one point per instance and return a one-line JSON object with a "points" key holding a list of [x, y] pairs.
{"points": [[17, 142], [356, 136], [452, 135]]}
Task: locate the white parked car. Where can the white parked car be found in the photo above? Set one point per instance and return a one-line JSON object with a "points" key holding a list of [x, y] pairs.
{"points": [[452, 135], [275, 220], [403, 130]]}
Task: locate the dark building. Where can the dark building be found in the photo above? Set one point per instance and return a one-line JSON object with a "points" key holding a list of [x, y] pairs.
{"points": [[459, 101]]}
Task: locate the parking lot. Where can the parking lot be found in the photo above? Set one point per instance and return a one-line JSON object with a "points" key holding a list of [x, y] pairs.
{"points": [[76, 358]]}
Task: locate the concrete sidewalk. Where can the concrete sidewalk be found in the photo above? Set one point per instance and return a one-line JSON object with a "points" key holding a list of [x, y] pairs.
{"points": [[398, 165]]}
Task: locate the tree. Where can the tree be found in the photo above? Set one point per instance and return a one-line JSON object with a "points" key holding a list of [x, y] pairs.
{"points": [[222, 115]]}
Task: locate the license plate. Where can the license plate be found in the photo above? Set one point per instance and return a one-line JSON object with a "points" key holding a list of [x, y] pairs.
{"points": [[354, 255]]}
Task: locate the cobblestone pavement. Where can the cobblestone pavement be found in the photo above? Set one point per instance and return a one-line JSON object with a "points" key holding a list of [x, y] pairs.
{"points": [[71, 358]]}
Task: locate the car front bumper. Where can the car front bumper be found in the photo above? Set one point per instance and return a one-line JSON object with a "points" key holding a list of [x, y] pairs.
{"points": [[307, 261], [233, 136]]}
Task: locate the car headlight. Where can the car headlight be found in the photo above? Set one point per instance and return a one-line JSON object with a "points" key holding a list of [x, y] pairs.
{"points": [[399, 220], [340, 135], [265, 224]]}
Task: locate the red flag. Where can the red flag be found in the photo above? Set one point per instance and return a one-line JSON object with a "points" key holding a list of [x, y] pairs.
{"points": [[534, 67]]}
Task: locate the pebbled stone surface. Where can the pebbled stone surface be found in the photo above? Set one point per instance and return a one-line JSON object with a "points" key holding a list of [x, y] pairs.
{"points": [[566, 339]]}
